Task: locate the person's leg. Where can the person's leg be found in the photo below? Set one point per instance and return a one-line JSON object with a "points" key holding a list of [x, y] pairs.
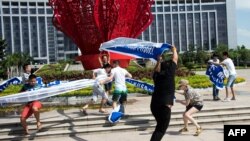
{"points": [[162, 115], [108, 88], [26, 113], [188, 115], [217, 94], [36, 105], [116, 96], [214, 92], [123, 102], [185, 120], [232, 89]]}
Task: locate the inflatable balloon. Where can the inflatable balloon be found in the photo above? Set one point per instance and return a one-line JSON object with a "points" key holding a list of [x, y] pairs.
{"points": [[91, 22]]}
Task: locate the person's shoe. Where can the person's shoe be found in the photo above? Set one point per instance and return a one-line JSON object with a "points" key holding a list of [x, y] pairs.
{"points": [[198, 131], [183, 130], [84, 112], [226, 99], [217, 98], [109, 103], [103, 111], [233, 98]]}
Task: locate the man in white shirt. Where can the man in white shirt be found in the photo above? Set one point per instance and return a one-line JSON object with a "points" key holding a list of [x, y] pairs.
{"points": [[120, 93], [99, 75], [232, 74]]}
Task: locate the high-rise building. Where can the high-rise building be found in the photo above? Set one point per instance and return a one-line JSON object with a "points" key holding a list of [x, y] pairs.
{"points": [[27, 27], [197, 23]]}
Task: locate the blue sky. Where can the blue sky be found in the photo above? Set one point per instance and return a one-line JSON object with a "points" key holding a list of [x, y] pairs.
{"points": [[243, 22]]}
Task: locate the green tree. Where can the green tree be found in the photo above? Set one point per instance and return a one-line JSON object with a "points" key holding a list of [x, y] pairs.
{"points": [[201, 56], [244, 55], [220, 49], [3, 47]]}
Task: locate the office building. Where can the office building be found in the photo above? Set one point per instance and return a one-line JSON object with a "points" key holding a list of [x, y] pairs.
{"points": [[27, 27]]}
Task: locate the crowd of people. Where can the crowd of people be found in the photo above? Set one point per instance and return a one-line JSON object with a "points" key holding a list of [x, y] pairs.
{"points": [[163, 97]]}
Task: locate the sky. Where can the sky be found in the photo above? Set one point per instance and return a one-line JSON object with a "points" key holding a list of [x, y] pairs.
{"points": [[243, 22]]}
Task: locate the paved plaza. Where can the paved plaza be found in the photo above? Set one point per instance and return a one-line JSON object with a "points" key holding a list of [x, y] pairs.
{"points": [[140, 104]]}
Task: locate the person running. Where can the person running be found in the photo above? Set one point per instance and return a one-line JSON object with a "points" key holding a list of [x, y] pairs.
{"points": [[193, 103], [98, 74], [163, 95], [120, 93], [232, 74], [103, 60], [26, 73], [32, 107], [215, 90]]}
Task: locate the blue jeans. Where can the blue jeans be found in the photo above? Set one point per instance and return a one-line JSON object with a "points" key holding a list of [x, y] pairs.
{"points": [[215, 91], [231, 80]]}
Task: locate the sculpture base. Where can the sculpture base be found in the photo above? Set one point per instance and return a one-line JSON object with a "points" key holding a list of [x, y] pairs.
{"points": [[91, 62]]}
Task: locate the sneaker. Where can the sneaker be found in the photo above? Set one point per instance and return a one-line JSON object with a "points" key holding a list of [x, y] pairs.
{"points": [[198, 131], [183, 130], [226, 100]]}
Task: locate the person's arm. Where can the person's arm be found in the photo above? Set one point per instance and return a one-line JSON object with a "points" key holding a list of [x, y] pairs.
{"points": [[108, 79], [158, 64], [129, 75], [108, 57], [187, 102], [217, 64], [175, 55], [100, 60], [94, 75]]}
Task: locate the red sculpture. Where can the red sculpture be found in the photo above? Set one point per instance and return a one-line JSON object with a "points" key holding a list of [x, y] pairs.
{"points": [[91, 22]]}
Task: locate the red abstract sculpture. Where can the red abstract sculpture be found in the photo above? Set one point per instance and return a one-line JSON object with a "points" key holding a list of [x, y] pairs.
{"points": [[91, 22]]}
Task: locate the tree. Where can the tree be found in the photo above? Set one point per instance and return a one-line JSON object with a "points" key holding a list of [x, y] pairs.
{"points": [[201, 56], [220, 49], [244, 55], [3, 46]]}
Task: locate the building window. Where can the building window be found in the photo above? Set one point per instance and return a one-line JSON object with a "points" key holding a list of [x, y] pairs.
{"points": [[14, 3], [32, 4], [6, 3], [23, 3], [6, 11], [40, 4], [49, 11], [24, 11], [32, 11], [41, 11], [15, 11]]}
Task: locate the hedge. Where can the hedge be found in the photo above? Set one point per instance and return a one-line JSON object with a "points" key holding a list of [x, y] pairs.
{"points": [[196, 81]]}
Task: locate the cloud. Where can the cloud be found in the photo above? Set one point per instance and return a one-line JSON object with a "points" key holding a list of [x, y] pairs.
{"points": [[242, 4]]}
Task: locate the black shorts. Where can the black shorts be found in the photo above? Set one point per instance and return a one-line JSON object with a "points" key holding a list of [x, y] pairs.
{"points": [[198, 107], [108, 86]]}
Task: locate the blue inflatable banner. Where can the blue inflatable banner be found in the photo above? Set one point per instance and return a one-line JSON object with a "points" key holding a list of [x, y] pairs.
{"points": [[135, 47], [216, 75], [140, 84], [12, 81]]}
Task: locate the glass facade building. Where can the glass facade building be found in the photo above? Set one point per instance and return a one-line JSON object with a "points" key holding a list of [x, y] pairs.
{"points": [[27, 27], [200, 23]]}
